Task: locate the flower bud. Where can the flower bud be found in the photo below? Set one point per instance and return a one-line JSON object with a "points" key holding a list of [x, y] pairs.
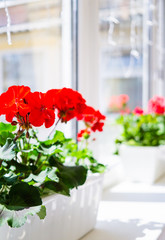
{"points": [[14, 123]]}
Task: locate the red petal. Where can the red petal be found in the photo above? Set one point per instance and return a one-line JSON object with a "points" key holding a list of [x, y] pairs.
{"points": [[36, 118]]}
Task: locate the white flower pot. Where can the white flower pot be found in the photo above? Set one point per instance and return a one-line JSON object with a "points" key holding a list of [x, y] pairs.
{"points": [[143, 164], [68, 218]]}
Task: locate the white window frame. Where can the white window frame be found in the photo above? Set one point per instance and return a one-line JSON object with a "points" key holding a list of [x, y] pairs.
{"points": [[153, 49], [88, 52]]}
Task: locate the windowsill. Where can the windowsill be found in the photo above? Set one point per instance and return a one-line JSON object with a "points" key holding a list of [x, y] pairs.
{"points": [[114, 173], [131, 211]]}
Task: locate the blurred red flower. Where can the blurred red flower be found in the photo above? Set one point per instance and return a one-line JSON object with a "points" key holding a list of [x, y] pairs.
{"points": [[119, 103], [123, 98], [156, 105], [138, 111]]}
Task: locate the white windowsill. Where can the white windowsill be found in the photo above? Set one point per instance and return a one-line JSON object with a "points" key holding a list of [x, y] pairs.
{"points": [[130, 211]]}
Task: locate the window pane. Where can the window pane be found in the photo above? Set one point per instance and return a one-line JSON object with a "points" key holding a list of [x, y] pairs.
{"points": [[121, 65], [35, 56], [120, 51]]}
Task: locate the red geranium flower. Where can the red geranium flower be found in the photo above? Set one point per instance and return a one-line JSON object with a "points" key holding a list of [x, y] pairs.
{"points": [[88, 114], [92, 118], [98, 123], [12, 102], [40, 114], [51, 98], [69, 103], [138, 111], [156, 105]]}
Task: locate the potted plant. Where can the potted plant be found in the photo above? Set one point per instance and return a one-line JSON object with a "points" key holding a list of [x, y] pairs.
{"points": [[31, 170], [142, 141]]}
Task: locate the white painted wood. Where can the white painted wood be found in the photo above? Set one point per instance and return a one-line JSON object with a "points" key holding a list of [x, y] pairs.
{"points": [[88, 55], [66, 44]]}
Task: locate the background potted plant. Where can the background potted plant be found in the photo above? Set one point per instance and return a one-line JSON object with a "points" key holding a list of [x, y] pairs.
{"points": [[142, 140], [31, 170]]}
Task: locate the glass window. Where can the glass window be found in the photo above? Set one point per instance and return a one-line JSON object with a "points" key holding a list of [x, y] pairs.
{"points": [[121, 42], [32, 46]]}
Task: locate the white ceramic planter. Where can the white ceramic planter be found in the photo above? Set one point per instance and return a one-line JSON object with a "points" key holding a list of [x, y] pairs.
{"points": [[68, 218], [143, 164]]}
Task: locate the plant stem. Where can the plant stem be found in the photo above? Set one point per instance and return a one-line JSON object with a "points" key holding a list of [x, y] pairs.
{"points": [[39, 155], [54, 127], [39, 168], [19, 134]]}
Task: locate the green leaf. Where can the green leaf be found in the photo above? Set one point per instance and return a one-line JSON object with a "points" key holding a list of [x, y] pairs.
{"points": [[4, 135], [7, 151], [9, 179], [37, 178], [97, 168], [48, 150], [33, 155], [2, 172], [57, 187], [22, 196], [17, 219], [19, 166], [53, 159], [57, 138], [52, 174], [72, 176], [7, 127], [42, 212]]}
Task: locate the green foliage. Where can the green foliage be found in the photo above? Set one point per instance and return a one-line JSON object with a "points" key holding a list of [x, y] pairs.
{"points": [[143, 130], [57, 139], [22, 195], [7, 127], [16, 219], [7, 151], [31, 169], [81, 155], [42, 212], [71, 176], [6, 131]]}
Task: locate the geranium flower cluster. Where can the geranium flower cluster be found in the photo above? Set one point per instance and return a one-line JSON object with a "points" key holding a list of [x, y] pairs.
{"points": [[27, 109], [156, 105], [94, 121]]}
